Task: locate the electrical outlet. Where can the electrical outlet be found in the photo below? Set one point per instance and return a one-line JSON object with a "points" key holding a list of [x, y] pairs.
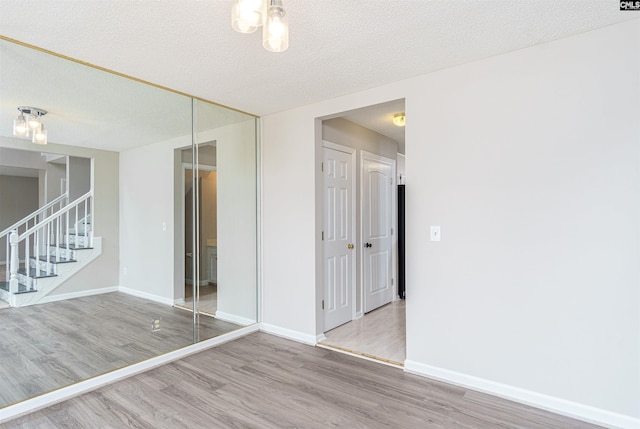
{"points": [[155, 325]]}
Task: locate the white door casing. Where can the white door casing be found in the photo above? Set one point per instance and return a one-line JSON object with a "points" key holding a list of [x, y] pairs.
{"points": [[338, 225], [377, 186]]}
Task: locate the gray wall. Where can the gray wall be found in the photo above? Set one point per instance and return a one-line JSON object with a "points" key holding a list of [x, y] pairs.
{"points": [[21, 158], [79, 177], [54, 175], [18, 199], [347, 133], [103, 272]]}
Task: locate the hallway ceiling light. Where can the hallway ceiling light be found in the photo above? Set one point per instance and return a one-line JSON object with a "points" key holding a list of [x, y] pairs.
{"points": [[248, 15], [399, 119], [29, 124]]}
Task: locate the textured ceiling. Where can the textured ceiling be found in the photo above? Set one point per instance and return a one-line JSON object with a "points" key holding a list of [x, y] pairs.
{"points": [[379, 118], [91, 108], [336, 46]]}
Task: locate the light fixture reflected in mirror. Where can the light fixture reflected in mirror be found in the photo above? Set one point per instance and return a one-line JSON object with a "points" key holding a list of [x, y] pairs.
{"points": [[399, 119], [40, 135], [29, 124]]}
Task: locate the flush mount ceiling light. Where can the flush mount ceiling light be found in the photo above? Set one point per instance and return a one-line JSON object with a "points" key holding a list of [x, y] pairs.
{"points": [[399, 119], [29, 124], [248, 15]]}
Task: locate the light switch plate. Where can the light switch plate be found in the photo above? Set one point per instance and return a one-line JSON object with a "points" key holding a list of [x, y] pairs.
{"points": [[435, 232]]}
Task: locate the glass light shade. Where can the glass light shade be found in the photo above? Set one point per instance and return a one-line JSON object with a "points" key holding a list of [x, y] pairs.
{"points": [[40, 135], [33, 121], [248, 15], [275, 35], [20, 127]]}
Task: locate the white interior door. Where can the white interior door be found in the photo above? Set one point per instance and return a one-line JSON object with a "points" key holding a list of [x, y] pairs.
{"points": [[338, 235], [377, 228]]}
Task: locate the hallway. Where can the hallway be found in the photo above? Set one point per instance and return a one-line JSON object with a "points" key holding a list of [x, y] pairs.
{"points": [[379, 334]]}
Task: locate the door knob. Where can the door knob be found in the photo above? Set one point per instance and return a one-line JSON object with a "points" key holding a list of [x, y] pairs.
{"points": [[368, 245], [350, 246]]}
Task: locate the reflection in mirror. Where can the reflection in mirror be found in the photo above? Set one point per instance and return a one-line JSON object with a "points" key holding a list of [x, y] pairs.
{"points": [[93, 244], [226, 225]]}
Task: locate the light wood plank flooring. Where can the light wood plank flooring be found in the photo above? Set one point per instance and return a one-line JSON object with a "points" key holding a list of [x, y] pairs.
{"points": [[262, 381], [208, 299], [47, 346], [380, 334]]}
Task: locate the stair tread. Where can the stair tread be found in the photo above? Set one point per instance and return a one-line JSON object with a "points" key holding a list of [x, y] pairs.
{"points": [[55, 260], [64, 246], [40, 274], [22, 288]]}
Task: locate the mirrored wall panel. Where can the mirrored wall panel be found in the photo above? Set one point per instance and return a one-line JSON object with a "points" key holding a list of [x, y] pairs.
{"points": [[127, 221]]}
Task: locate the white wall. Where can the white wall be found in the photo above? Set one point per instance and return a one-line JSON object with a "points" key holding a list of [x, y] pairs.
{"points": [[237, 211], [150, 197], [530, 162], [147, 218]]}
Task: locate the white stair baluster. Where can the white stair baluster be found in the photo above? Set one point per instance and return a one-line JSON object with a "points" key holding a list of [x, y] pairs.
{"points": [[86, 233], [47, 247], [66, 231], [15, 261], [6, 260], [75, 222], [36, 252], [58, 238], [27, 263]]}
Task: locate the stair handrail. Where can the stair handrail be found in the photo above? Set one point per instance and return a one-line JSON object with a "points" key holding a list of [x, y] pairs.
{"points": [[57, 214], [53, 230], [34, 214]]}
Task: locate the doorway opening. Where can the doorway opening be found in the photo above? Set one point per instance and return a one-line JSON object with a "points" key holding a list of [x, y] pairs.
{"points": [[205, 233], [362, 281]]}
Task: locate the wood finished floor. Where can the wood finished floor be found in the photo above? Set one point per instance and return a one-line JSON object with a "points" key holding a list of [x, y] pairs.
{"points": [[380, 333], [262, 381], [208, 298], [47, 346]]}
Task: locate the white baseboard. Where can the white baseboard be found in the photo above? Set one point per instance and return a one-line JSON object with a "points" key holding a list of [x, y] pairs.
{"points": [[550, 403], [233, 318], [288, 333], [146, 295], [64, 393], [79, 294]]}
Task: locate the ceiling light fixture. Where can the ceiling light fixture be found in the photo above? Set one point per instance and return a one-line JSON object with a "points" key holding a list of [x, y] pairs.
{"points": [[248, 15], [29, 124], [399, 120]]}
